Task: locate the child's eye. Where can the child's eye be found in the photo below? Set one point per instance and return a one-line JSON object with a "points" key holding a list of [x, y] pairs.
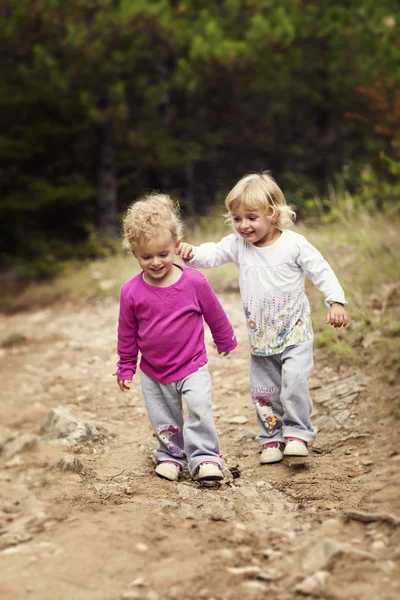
{"points": [[236, 219], [164, 254]]}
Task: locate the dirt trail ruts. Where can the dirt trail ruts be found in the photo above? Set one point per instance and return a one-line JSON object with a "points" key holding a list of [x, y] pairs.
{"points": [[84, 517]]}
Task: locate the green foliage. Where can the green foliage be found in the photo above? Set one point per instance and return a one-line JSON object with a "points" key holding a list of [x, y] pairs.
{"points": [[196, 94], [324, 337]]}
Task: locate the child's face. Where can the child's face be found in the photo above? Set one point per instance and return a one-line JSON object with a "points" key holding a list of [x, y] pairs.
{"points": [[254, 225], [156, 258]]}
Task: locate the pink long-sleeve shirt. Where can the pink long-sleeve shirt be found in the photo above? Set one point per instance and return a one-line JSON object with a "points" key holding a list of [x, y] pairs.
{"points": [[166, 326]]}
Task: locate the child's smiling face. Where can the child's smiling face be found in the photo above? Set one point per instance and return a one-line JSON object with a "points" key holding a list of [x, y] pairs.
{"points": [[156, 258], [254, 225]]}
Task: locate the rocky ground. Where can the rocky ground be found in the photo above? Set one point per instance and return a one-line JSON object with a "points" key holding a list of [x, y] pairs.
{"points": [[82, 516]]}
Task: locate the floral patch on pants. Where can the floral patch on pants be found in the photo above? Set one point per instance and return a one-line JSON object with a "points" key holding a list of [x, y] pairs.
{"points": [[164, 435], [265, 411]]}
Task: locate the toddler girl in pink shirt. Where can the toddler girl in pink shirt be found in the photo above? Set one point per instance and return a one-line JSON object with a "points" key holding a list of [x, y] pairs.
{"points": [[162, 314]]}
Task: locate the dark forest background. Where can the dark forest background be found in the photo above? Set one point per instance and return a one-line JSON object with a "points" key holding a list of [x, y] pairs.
{"points": [[103, 100]]}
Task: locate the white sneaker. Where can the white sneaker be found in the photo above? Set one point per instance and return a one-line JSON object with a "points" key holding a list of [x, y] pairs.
{"points": [[272, 452], [295, 447], [209, 471], [168, 470]]}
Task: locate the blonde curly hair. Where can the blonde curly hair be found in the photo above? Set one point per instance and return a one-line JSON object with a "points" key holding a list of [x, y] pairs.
{"points": [[260, 190], [148, 216]]}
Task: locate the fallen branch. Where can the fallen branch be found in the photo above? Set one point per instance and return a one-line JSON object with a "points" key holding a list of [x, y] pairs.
{"points": [[117, 475], [372, 517]]}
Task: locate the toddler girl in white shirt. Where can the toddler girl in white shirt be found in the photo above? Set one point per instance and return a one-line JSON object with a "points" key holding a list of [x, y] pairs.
{"points": [[273, 263]]}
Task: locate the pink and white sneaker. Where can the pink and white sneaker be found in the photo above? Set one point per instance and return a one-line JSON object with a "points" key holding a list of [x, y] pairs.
{"points": [[208, 471], [272, 452], [295, 447], [168, 469]]}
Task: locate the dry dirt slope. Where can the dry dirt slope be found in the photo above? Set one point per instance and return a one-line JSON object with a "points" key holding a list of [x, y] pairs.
{"points": [[85, 518]]}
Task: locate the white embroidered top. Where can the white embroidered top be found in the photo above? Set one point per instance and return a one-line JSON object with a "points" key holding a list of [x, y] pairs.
{"points": [[271, 281]]}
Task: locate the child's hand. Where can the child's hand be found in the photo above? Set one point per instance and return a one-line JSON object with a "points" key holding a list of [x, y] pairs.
{"points": [[185, 251], [221, 353], [123, 384], [337, 316]]}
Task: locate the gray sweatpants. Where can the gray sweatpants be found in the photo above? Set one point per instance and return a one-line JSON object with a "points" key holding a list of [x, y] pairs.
{"points": [[194, 439], [279, 390]]}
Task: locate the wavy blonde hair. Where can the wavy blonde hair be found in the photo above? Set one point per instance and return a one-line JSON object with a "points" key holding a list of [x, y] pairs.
{"points": [[260, 190], [148, 216]]}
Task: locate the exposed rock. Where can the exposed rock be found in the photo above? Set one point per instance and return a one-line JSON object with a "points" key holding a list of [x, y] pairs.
{"points": [[343, 388], [17, 443], [70, 463], [64, 428], [190, 512], [322, 553]]}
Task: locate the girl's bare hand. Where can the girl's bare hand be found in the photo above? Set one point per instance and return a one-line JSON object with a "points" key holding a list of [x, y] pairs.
{"points": [[124, 384], [185, 251], [337, 316]]}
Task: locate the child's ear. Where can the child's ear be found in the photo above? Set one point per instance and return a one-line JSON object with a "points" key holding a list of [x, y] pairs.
{"points": [[177, 244]]}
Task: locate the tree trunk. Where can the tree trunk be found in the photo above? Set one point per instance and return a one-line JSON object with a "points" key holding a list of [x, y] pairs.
{"points": [[107, 186]]}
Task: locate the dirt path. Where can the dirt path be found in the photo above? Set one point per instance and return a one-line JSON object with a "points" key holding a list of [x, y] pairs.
{"points": [[84, 517]]}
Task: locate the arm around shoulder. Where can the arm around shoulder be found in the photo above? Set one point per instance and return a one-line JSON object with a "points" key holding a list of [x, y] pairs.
{"points": [[211, 254]]}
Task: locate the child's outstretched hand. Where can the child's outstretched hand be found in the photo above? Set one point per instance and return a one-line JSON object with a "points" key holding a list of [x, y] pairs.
{"points": [[185, 251], [337, 316], [123, 384]]}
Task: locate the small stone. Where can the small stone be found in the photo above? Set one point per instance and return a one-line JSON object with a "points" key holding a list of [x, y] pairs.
{"points": [[16, 461], [264, 485], [246, 571], [140, 547], [311, 583], [255, 585], [138, 582], [239, 420], [70, 463], [101, 489], [378, 545]]}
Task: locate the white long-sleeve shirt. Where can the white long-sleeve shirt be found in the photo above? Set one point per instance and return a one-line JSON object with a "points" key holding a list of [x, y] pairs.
{"points": [[271, 281]]}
